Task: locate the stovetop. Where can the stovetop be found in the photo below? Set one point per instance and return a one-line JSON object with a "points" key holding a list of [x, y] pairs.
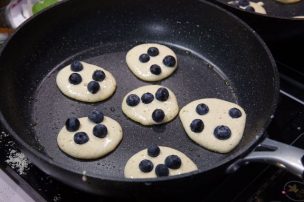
{"points": [[254, 182]]}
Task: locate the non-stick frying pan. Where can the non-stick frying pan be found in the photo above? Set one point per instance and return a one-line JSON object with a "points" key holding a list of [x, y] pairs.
{"points": [[276, 9], [219, 56], [282, 33], [279, 22]]}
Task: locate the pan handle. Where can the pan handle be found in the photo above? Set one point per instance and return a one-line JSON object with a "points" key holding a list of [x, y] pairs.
{"points": [[275, 153]]}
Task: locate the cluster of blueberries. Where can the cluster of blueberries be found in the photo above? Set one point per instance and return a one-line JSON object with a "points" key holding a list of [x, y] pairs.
{"points": [[75, 78], [168, 61], [161, 170], [162, 94], [244, 3], [221, 132], [72, 125]]}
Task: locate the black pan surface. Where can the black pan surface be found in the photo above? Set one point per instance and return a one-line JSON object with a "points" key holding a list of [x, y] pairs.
{"points": [[219, 56], [282, 32], [50, 103]]}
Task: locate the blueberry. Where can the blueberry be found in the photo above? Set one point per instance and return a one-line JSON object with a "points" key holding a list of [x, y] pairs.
{"points": [[76, 66], [81, 138], [155, 69], [93, 87], [98, 75], [249, 9], [146, 166], [75, 78], [161, 170], [96, 116], [153, 51], [173, 162], [222, 132], [144, 58], [72, 124], [147, 98], [153, 150], [158, 115], [235, 113], [169, 61], [243, 2], [197, 125], [100, 131], [132, 100], [202, 109], [162, 94]]}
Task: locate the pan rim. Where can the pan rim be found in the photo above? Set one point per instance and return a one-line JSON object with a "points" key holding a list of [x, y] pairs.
{"points": [[247, 148]]}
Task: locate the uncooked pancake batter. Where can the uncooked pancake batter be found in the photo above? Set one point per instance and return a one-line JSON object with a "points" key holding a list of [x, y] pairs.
{"points": [[214, 124], [151, 104], [85, 139], [151, 61], [158, 161], [85, 82], [249, 6]]}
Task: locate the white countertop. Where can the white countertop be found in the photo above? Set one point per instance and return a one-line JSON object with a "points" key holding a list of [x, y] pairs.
{"points": [[10, 190]]}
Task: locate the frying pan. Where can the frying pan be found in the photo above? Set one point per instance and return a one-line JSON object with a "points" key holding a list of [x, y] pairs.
{"points": [[282, 33], [219, 56], [276, 9]]}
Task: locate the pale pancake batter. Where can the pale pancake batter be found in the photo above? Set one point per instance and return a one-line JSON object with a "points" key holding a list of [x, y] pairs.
{"points": [[86, 82], [151, 61], [258, 7], [214, 124], [166, 162], [288, 1], [151, 104], [249, 6], [88, 140]]}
